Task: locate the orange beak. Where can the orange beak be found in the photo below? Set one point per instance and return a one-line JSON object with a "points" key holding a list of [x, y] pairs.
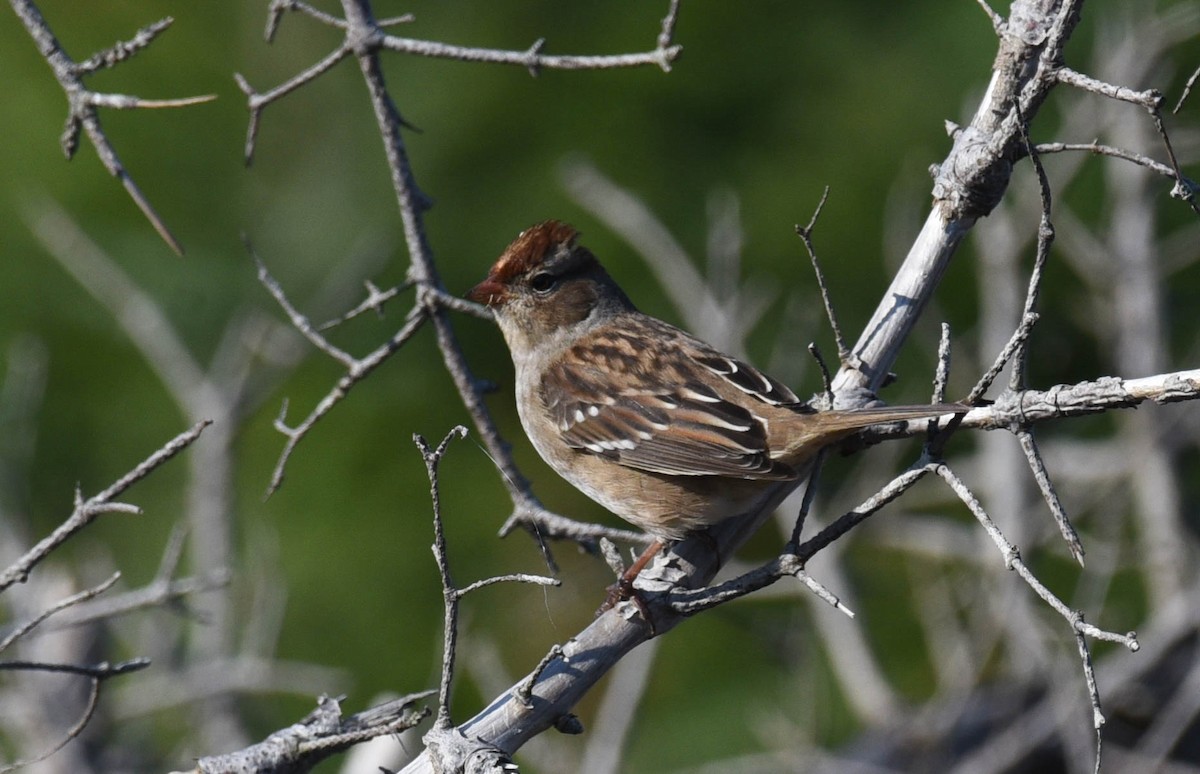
{"points": [[489, 293]]}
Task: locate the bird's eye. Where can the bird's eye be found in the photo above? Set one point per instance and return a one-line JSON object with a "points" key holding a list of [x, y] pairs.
{"points": [[543, 282]]}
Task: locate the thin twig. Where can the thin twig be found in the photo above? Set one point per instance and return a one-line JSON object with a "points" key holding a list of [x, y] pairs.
{"points": [[82, 102], [1187, 90], [257, 102], [299, 321], [123, 50], [806, 236], [374, 302], [689, 602], [996, 19], [826, 378], [1038, 466], [1117, 153], [1184, 188], [942, 374], [451, 595], [357, 369], [810, 494], [277, 8], [1016, 379], [1014, 345], [847, 521], [1151, 100], [524, 691], [366, 36], [163, 590], [23, 629], [72, 733], [101, 671], [87, 510], [1013, 561]]}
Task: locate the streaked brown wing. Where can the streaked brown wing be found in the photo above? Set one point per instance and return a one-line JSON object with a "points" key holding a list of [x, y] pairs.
{"points": [[746, 378], [664, 419]]}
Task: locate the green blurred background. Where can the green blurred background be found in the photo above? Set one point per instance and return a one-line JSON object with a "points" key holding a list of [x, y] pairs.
{"points": [[770, 100]]}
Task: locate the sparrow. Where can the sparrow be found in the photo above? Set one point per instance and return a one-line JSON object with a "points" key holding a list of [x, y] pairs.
{"points": [[658, 427]]}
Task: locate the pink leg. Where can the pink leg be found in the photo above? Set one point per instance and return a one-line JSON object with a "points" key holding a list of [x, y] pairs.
{"points": [[623, 588]]}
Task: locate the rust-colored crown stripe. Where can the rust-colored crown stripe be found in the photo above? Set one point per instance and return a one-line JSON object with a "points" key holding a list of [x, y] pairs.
{"points": [[528, 249]]}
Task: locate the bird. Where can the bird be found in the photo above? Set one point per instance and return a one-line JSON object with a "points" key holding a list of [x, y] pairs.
{"points": [[658, 427]]}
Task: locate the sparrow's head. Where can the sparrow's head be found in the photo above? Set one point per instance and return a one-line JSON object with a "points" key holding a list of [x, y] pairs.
{"points": [[546, 283]]}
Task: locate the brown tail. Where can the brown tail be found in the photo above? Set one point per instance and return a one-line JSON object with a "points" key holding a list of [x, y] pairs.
{"points": [[855, 419], [826, 427]]}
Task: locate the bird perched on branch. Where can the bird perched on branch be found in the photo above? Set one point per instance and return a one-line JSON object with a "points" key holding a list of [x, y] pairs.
{"points": [[655, 425]]}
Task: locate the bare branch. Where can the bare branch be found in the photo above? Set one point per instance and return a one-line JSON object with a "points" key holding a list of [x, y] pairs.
{"points": [[357, 369], [322, 733], [996, 19], [806, 236], [277, 8], [1067, 400], [451, 595], [82, 102], [1151, 100], [299, 321], [375, 301], [1187, 90], [124, 50], [22, 629], [1014, 345], [162, 591], [1117, 153], [101, 671], [72, 733], [532, 59], [810, 493], [970, 181], [365, 38], [1013, 561], [544, 524], [86, 511], [258, 102]]}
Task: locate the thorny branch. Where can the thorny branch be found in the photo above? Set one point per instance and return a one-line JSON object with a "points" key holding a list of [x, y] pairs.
{"points": [[437, 740], [320, 734], [163, 590], [806, 236], [974, 177], [20, 630], [1017, 375], [365, 37], [97, 674], [54, 616], [104, 502], [968, 184], [83, 103], [1151, 100], [365, 40]]}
